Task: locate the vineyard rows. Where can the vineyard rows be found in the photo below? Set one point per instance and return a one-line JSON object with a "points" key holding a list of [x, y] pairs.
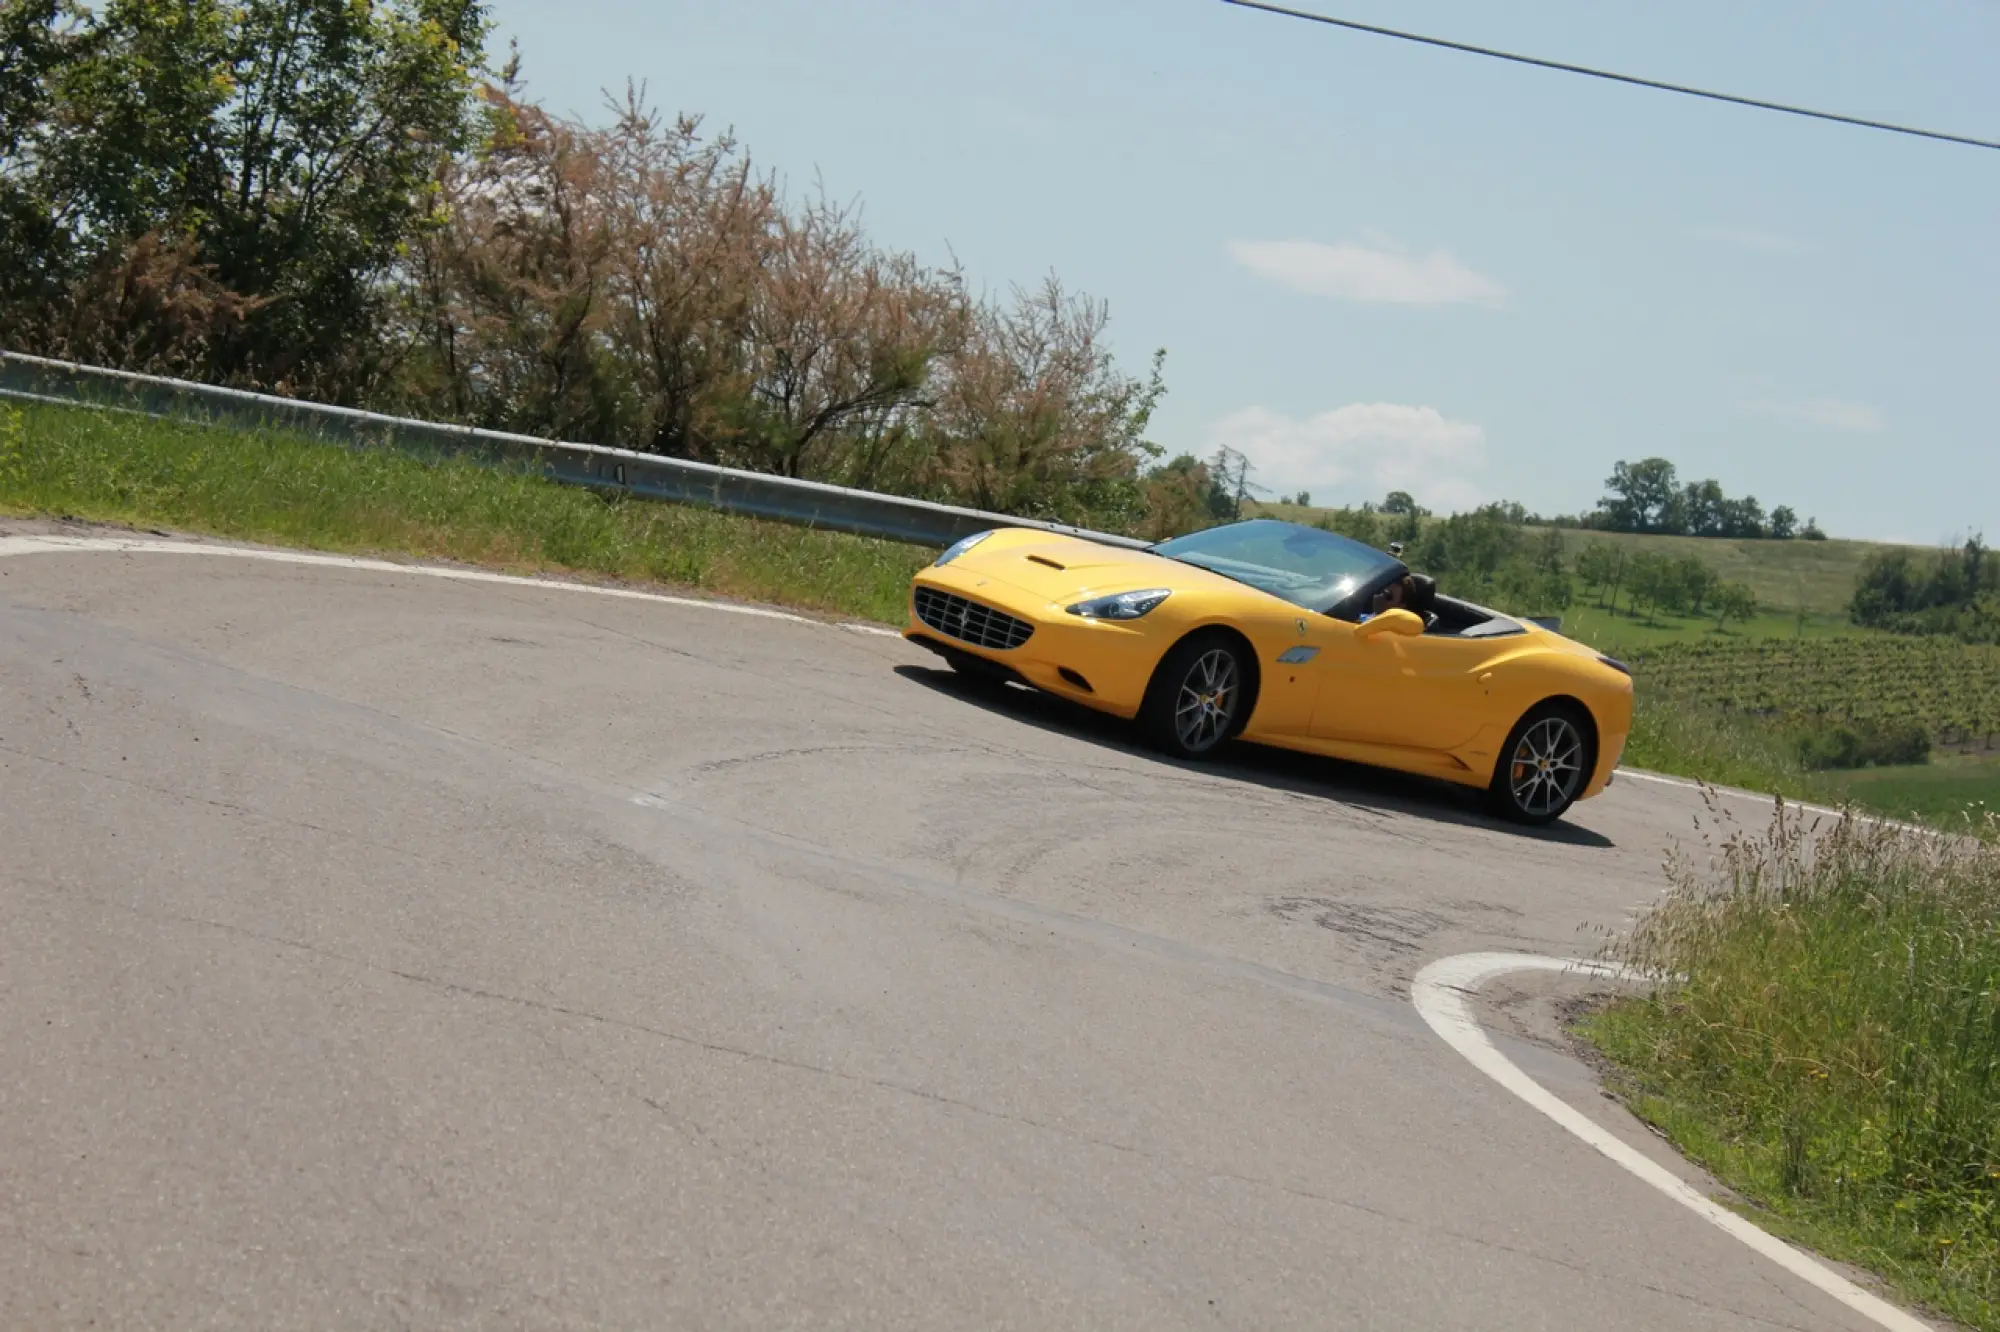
{"points": [[1951, 688]]}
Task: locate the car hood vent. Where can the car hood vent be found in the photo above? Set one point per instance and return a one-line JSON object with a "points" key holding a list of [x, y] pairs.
{"points": [[1043, 559]]}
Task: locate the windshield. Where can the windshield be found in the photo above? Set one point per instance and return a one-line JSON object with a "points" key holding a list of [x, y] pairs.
{"points": [[1308, 567]]}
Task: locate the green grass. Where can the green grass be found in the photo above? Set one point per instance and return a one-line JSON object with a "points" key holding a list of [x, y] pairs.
{"points": [[1942, 791], [1619, 630], [1828, 1044], [1785, 576], [284, 490], [1668, 735], [1687, 740]]}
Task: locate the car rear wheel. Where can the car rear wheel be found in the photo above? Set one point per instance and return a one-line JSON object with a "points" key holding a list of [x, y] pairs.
{"points": [[1544, 765], [1199, 697]]}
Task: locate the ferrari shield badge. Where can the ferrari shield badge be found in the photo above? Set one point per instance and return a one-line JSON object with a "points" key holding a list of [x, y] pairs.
{"points": [[1302, 627]]}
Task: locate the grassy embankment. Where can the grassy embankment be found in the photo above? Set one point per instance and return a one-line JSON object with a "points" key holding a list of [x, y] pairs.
{"points": [[1830, 1049], [57, 461]]}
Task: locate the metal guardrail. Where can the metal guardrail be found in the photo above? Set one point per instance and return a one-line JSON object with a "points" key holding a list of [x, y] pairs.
{"points": [[807, 503]]}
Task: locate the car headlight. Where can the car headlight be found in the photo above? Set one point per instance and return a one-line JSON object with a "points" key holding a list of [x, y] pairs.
{"points": [[1120, 606], [959, 547]]}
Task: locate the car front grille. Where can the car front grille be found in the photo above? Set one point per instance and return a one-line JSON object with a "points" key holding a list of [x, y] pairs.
{"points": [[969, 622]]}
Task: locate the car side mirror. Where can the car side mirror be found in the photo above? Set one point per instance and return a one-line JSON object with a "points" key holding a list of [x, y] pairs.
{"points": [[1402, 623]]}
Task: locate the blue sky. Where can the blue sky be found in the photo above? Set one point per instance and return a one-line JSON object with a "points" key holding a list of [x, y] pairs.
{"points": [[1375, 265]]}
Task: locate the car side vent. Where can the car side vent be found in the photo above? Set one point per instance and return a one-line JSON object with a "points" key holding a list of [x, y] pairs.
{"points": [[1043, 559]]}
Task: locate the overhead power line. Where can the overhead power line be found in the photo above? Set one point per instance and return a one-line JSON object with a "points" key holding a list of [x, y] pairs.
{"points": [[1585, 70]]}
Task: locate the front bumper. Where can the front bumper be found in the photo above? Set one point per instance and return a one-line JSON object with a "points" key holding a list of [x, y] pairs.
{"points": [[1103, 664]]}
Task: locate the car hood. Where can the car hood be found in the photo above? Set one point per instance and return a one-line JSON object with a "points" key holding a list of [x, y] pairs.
{"points": [[1067, 569]]}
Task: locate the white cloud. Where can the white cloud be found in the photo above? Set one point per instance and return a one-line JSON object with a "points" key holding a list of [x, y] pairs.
{"points": [[1381, 274], [1365, 449], [1829, 412]]}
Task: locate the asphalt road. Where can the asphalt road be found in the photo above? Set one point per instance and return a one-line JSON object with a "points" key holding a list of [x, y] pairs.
{"points": [[386, 951]]}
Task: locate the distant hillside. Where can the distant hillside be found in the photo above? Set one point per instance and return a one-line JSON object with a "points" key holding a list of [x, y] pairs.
{"points": [[1783, 574]]}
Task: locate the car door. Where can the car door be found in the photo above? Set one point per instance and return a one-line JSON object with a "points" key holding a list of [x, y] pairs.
{"points": [[1295, 649], [1422, 692]]}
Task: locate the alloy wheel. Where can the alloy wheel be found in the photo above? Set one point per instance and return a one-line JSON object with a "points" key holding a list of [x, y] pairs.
{"points": [[1546, 767], [1207, 700]]}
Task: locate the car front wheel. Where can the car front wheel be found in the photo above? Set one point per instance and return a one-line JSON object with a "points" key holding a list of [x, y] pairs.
{"points": [[1199, 697], [1546, 761]]}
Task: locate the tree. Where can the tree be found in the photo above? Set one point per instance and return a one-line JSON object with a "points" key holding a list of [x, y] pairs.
{"points": [[842, 339], [1652, 580], [1645, 497], [1641, 494], [35, 43], [1547, 555], [694, 229], [1784, 523], [1599, 566], [255, 171], [1231, 485], [1954, 592], [1702, 510], [1402, 504], [1035, 417], [1811, 532], [1734, 601], [1363, 524], [1743, 518], [1477, 544], [1177, 498], [1696, 583], [510, 308]]}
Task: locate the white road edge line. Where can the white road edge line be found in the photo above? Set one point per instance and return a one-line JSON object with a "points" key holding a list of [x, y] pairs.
{"points": [[1441, 993], [1739, 793], [56, 545]]}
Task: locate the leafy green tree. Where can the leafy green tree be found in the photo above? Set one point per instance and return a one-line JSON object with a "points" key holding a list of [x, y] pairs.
{"points": [[36, 39], [1696, 584], [1641, 495], [1363, 524], [1701, 510], [1651, 579], [1954, 592], [1600, 566], [1548, 552], [1475, 545], [1177, 494], [272, 157], [1734, 601], [1784, 523], [1743, 518]]}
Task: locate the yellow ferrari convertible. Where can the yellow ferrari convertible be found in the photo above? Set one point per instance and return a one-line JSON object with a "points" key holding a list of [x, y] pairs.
{"points": [[1274, 633]]}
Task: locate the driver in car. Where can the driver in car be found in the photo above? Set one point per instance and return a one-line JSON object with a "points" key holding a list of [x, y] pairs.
{"points": [[1412, 592]]}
